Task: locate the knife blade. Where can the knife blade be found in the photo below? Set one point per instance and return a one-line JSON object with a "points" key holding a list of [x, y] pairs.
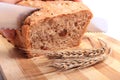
{"points": [[12, 16]]}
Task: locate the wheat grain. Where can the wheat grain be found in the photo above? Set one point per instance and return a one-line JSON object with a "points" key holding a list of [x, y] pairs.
{"points": [[66, 64], [76, 53], [81, 58]]}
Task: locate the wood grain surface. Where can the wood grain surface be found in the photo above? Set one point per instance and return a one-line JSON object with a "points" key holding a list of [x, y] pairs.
{"points": [[15, 66]]}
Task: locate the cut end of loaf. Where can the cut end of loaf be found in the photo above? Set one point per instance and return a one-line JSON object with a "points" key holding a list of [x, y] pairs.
{"points": [[61, 32]]}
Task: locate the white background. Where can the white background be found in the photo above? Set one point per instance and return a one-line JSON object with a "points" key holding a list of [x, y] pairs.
{"points": [[109, 10]]}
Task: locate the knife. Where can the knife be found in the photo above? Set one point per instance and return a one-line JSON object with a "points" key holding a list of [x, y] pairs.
{"points": [[12, 16]]}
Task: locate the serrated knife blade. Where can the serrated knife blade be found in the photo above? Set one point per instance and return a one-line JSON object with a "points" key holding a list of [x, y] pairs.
{"points": [[12, 16]]}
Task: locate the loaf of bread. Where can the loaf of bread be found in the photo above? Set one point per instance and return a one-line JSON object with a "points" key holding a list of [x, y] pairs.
{"points": [[57, 25]]}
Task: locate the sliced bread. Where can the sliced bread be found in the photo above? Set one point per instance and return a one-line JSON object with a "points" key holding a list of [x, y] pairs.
{"points": [[57, 25]]}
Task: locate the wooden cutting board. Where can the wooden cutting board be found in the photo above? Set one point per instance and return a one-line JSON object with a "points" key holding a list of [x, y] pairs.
{"points": [[15, 66]]}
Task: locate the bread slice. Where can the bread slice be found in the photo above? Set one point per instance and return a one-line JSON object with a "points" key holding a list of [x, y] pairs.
{"points": [[57, 25]]}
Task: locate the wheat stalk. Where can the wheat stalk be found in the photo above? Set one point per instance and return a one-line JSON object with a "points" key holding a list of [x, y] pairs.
{"points": [[75, 53], [66, 64], [81, 53], [81, 58]]}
